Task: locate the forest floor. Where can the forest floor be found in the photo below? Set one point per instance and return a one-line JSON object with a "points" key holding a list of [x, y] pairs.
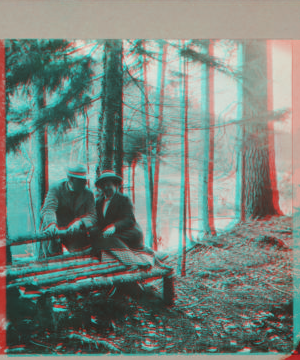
{"points": [[236, 297]]}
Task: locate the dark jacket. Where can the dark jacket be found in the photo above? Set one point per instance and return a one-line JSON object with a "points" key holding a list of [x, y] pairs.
{"points": [[120, 214], [62, 207]]}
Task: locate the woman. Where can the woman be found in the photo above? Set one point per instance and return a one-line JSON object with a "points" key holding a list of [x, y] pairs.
{"points": [[119, 234]]}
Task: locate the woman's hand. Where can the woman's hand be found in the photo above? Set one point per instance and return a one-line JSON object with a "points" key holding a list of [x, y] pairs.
{"points": [[109, 230]]}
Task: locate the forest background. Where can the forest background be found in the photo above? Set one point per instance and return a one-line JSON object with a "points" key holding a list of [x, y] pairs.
{"points": [[214, 118], [153, 108]]}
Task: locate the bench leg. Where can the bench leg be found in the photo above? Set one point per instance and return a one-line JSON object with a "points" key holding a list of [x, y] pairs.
{"points": [[45, 313], [168, 288]]}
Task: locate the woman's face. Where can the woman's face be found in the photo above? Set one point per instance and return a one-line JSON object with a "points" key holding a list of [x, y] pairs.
{"points": [[109, 188]]}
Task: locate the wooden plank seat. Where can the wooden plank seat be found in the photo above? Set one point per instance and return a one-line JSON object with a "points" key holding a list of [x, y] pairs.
{"points": [[82, 271]]}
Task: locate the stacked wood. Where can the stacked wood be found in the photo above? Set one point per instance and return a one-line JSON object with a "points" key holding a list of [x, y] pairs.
{"points": [[109, 279], [75, 273], [15, 271], [65, 275], [84, 275], [79, 271]]}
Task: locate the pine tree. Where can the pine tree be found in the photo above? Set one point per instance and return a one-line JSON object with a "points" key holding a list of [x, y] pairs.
{"points": [[181, 268], [51, 83], [257, 191], [50, 66]]}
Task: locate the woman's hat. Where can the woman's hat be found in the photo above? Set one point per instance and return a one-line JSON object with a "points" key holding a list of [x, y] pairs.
{"points": [[108, 175], [77, 171]]}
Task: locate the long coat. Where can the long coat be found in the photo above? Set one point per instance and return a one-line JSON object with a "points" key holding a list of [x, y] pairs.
{"points": [[62, 207], [120, 214]]}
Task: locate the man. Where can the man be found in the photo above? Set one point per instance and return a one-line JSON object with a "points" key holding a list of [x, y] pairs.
{"points": [[69, 205]]}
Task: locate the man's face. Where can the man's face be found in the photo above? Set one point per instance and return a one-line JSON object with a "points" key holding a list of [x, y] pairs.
{"points": [[78, 185], [109, 188]]}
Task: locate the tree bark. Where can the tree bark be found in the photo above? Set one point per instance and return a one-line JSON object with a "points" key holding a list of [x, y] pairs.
{"points": [[41, 161], [129, 181], [184, 168], [272, 164], [147, 157], [101, 147], [118, 140], [240, 168], [41, 150], [133, 166], [110, 145], [257, 194], [42, 165], [206, 181], [160, 106], [211, 105], [87, 157]]}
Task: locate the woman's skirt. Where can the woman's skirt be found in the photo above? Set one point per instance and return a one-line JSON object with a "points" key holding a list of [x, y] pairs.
{"points": [[127, 247]]}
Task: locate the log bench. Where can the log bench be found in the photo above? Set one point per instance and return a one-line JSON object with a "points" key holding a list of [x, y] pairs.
{"points": [[36, 284], [79, 271], [73, 273], [76, 273]]}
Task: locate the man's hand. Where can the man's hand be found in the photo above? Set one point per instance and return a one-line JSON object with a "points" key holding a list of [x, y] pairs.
{"points": [[110, 230], [52, 231], [75, 227]]}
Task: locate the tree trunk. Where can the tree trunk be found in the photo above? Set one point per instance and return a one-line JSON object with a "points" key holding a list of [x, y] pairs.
{"points": [[240, 168], [159, 117], [184, 169], [44, 164], [206, 182], [118, 140], [42, 152], [272, 164], [257, 194], [211, 105], [100, 145], [147, 157], [147, 173], [87, 158], [129, 181], [41, 166], [110, 146], [188, 201], [133, 166]]}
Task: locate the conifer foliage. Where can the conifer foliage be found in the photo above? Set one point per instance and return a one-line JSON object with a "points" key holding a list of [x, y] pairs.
{"points": [[47, 84], [48, 81]]}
